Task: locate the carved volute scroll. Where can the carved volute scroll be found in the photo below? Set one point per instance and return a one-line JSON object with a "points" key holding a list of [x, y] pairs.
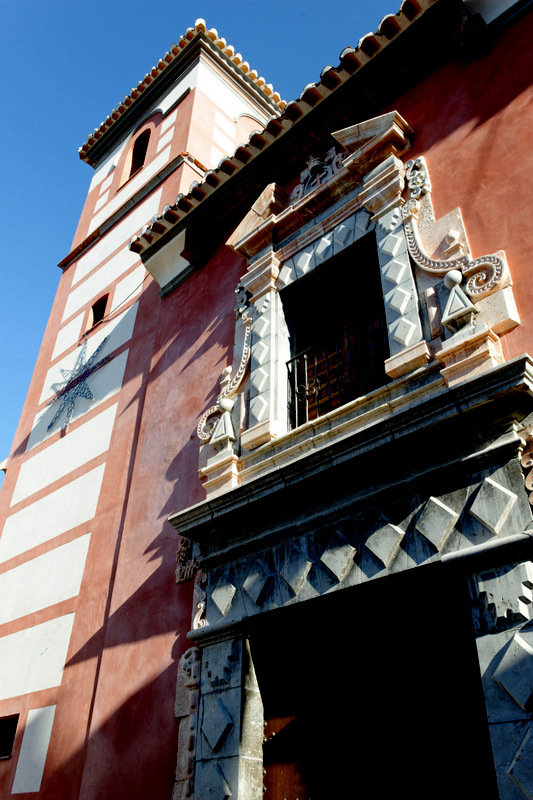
{"points": [[484, 275]]}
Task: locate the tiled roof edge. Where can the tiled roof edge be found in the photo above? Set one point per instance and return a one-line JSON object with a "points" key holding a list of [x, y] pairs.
{"points": [[175, 50], [352, 59]]}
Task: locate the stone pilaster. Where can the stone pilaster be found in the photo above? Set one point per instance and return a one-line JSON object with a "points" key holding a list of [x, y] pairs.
{"points": [[229, 758]]}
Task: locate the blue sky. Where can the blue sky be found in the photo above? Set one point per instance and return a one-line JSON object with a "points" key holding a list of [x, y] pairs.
{"points": [[65, 64]]}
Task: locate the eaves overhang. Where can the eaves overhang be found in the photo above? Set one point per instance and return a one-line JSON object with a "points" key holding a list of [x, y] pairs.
{"points": [[232, 174]]}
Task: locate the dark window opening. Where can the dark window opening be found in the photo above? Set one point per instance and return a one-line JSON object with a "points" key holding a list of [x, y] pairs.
{"points": [[336, 321], [8, 728], [98, 311], [138, 155]]}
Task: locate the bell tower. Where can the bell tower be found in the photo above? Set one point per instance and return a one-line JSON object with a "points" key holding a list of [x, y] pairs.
{"points": [[91, 623]]}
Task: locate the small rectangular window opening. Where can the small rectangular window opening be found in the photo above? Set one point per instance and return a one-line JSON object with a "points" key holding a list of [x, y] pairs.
{"points": [[98, 311], [8, 728]]}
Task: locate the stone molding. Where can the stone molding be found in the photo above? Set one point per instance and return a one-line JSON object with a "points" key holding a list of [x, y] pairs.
{"points": [[457, 335]]}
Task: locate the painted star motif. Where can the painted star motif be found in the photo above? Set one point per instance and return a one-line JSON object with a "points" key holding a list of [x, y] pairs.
{"points": [[74, 384]]}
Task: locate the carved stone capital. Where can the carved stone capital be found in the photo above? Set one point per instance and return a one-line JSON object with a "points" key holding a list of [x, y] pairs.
{"points": [[261, 276], [383, 187]]}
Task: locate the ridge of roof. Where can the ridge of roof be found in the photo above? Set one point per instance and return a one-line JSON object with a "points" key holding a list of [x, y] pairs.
{"points": [[352, 59], [174, 51]]}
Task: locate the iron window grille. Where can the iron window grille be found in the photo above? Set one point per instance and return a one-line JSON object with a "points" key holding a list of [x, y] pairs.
{"points": [[337, 327]]}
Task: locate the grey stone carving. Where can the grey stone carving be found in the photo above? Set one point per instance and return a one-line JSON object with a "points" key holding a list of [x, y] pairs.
{"points": [[505, 651], [484, 275], [436, 522], [385, 541], [186, 711], [493, 505], [229, 758]]}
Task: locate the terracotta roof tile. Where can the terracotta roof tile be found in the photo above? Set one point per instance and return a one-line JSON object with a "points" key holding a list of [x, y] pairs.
{"points": [[351, 60], [175, 50]]}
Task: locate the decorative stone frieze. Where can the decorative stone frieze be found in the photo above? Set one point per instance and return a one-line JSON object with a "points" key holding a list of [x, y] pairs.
{"points": [[187, 566], [369, 544], [186, 711]]}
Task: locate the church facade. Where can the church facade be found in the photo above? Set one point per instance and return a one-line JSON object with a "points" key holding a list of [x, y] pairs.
{"points": [[266, 523]]}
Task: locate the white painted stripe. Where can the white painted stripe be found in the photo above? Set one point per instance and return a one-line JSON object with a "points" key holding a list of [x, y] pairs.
{"points": [[227, 125], [35, 742], [57, 513], [217, 156], [164, 140], [103, 170], [129, 287], [222, 141], [65, 455], [107, 183], [167, 122], [34, 659], [118, 332], [48, 579], [68, 335], [228, 99], [101, 202], [130, 188], [104, 383], [117, 235], [98, 282]]}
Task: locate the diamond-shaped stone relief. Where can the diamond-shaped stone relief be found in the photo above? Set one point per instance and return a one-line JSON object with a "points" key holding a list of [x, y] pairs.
{"points": [[392, 244], [492, 505], [261, 352], [324, 248], [287, 274], [217, 722], [338, 556], [397, 269], [261, 327], [385, 542], [304, 261], [508, 592], [295, 570], [258, 409], [343, 234], [404, 331], [263, 304], [436, 522], [521, 768], [257, 582], [260, 379], [215, 786], [399, 299], [223, 595], [362, 223], [515, 671]]}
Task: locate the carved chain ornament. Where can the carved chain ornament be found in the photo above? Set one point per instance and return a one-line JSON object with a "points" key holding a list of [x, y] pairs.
{"points": [[229, 385], [484, 275]]}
